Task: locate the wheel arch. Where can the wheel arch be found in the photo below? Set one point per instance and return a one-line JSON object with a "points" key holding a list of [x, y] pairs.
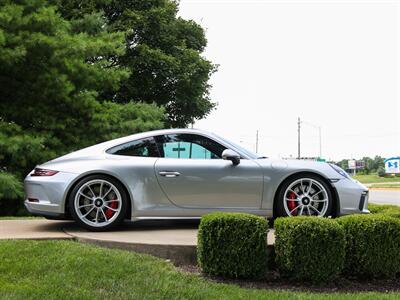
{"points": [[335, 204], [83, 176]]}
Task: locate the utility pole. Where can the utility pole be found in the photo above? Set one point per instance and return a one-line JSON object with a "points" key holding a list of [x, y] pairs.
{"points": [[320, 142], [298, 137], [257, 141], [319, 133]]}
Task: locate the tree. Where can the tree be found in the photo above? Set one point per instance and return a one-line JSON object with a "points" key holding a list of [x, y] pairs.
{"points": [[51, 76], [10, 189], [344, 164], [379, 163], [368, 165], [53, 73], [163, 55], [47, 84]]}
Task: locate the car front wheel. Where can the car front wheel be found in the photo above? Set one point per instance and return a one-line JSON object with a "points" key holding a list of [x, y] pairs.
{"points": [[98, 203], [304, 195]]}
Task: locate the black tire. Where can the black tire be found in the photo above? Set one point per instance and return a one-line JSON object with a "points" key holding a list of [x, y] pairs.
{"points": [[122, 212], [280, 208]]}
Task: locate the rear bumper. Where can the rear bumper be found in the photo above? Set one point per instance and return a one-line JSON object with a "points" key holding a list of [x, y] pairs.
{"points": [[44, 209], [353, 197], [45, 195]]}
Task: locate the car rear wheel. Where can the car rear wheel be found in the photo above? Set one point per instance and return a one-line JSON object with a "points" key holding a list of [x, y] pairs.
{"points": [[304, 195], [98, 203]]}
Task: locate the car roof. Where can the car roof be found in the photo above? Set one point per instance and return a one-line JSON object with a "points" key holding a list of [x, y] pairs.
{"points": [[115, 142], [157, 132]]}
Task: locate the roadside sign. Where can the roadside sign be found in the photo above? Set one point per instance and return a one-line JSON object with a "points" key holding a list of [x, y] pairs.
{"points": [[352, 164], [356, 164], [392, 165]]}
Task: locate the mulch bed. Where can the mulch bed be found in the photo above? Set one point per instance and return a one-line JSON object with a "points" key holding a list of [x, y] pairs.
{"points": [[274, 281]]}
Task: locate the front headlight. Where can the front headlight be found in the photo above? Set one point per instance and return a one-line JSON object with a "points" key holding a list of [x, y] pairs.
{"points": [[340, 171]]}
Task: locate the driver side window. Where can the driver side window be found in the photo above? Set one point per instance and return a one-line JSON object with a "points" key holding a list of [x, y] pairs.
{"points": [[189, 146]]}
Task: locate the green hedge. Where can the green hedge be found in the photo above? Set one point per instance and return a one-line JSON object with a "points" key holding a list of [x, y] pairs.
{"points": [[379, 208], [309, 248], [372, 245], [233, 245], [388, 210]]}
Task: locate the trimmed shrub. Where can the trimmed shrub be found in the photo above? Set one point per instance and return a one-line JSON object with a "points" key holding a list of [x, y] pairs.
{"points": [[392, 212], [387, 210], [372, 245], [381, 172], [379, 208], [309, 248], [232, 245]]}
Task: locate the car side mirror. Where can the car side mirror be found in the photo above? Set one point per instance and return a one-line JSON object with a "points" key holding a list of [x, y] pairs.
{"points": [[231, 155]]}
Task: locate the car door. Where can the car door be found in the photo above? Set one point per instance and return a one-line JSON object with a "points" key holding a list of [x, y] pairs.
{"points": [[192, 174]]}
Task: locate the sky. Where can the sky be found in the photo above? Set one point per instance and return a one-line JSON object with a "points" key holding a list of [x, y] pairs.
{"points": [[334, 64]]}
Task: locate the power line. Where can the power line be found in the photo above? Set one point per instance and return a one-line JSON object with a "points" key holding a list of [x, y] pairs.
{"points": [[298, 137]]}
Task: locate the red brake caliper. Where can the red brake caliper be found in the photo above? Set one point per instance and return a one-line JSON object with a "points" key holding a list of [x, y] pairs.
{"points": [[292, 204], [109, 213]]}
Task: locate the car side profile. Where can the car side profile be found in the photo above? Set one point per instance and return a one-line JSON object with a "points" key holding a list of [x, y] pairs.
{"points": [[184, 173]]}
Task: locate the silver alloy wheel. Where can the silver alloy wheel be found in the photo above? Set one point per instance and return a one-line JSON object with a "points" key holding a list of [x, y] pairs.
{"points": [[306, 196], [98, 203]]}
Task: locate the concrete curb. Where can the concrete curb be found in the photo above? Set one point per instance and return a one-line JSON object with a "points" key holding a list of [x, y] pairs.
{"points": [[178, 254]]}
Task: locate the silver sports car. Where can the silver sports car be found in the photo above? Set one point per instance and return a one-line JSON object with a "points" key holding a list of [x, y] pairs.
{"points": [[184, 173]]}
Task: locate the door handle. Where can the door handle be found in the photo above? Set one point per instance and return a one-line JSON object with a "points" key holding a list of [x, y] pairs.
{"points": [[169, 173]]}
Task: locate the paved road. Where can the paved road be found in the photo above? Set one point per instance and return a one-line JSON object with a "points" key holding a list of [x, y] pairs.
{"points": [[384, 196]]}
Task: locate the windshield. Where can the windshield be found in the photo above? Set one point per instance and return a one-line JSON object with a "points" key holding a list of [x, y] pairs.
{"points": [[248, 153]]}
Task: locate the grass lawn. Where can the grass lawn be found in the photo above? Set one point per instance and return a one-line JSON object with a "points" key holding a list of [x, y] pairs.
{"points": [[386, 186], [69, 270], [21, 218], [373, 178]]}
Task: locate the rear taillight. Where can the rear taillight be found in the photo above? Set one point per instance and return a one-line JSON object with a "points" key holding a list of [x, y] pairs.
{"points": [[43, 172]]}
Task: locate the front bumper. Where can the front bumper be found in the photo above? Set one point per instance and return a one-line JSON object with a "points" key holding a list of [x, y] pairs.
{"points": [[45, 195], [353, 197]]}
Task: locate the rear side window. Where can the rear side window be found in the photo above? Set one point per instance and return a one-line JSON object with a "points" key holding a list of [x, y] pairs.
{"points": [[144, 147]]}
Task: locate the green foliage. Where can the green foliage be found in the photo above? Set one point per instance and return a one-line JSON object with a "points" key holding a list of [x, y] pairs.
{"points": [[54, 74], [381, 172], [114, 120], [47, 84], [344, 164], [232, 245], [309, 248], [387, 210], [11, 191], [21, 149], [372, 245], [10, 186], [163, 55], [378, 208]]}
